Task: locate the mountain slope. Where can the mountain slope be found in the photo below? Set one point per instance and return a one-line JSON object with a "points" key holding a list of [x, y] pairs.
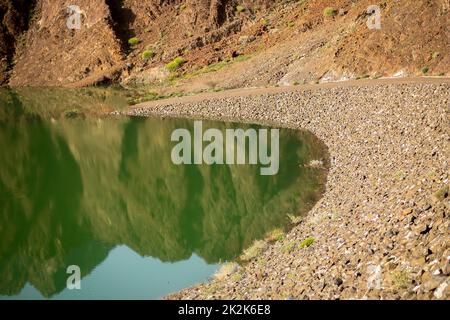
{"points": [[288, 41]]}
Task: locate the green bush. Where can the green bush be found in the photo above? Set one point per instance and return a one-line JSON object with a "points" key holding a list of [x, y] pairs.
{"points": [[435, 55], [425, 70], [294, 219], [329, 11], [241, 57], [148, 54], [240, 8], [133, 41], [175, 64], [307, 242], [254, 250], [288, 247], [275, 235], [442, 193], [400, 279]]}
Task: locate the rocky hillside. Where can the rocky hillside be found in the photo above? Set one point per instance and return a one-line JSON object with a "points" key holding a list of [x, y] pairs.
{"points": [[283, 41], [14, 19]]}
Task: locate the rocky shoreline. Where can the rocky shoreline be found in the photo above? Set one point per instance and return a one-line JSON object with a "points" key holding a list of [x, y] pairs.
{"points": [[381, 230]]}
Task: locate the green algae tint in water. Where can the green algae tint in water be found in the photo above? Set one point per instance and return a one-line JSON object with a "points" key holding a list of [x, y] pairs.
{"points": [[103, 194]]}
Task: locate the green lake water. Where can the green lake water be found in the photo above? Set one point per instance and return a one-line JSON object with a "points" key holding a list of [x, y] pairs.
{"points": [[102, 193]]}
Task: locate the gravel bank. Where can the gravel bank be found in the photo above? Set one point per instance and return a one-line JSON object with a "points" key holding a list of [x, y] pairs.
{"points": [[382, 228]]}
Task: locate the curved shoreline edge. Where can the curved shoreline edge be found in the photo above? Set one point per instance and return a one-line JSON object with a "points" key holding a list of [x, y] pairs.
{"points": [[381, 228]]}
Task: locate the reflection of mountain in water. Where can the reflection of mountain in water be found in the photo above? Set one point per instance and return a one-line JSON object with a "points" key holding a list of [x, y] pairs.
{"points": [[70, 190], [55, 102]]}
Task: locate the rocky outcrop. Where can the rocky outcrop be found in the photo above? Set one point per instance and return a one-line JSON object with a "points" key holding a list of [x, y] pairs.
{"points": [[54, 54], [14, 19]]}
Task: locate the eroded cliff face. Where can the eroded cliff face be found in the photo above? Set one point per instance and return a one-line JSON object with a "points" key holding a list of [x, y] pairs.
{"points": [[14, 19], [54, 54]]}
